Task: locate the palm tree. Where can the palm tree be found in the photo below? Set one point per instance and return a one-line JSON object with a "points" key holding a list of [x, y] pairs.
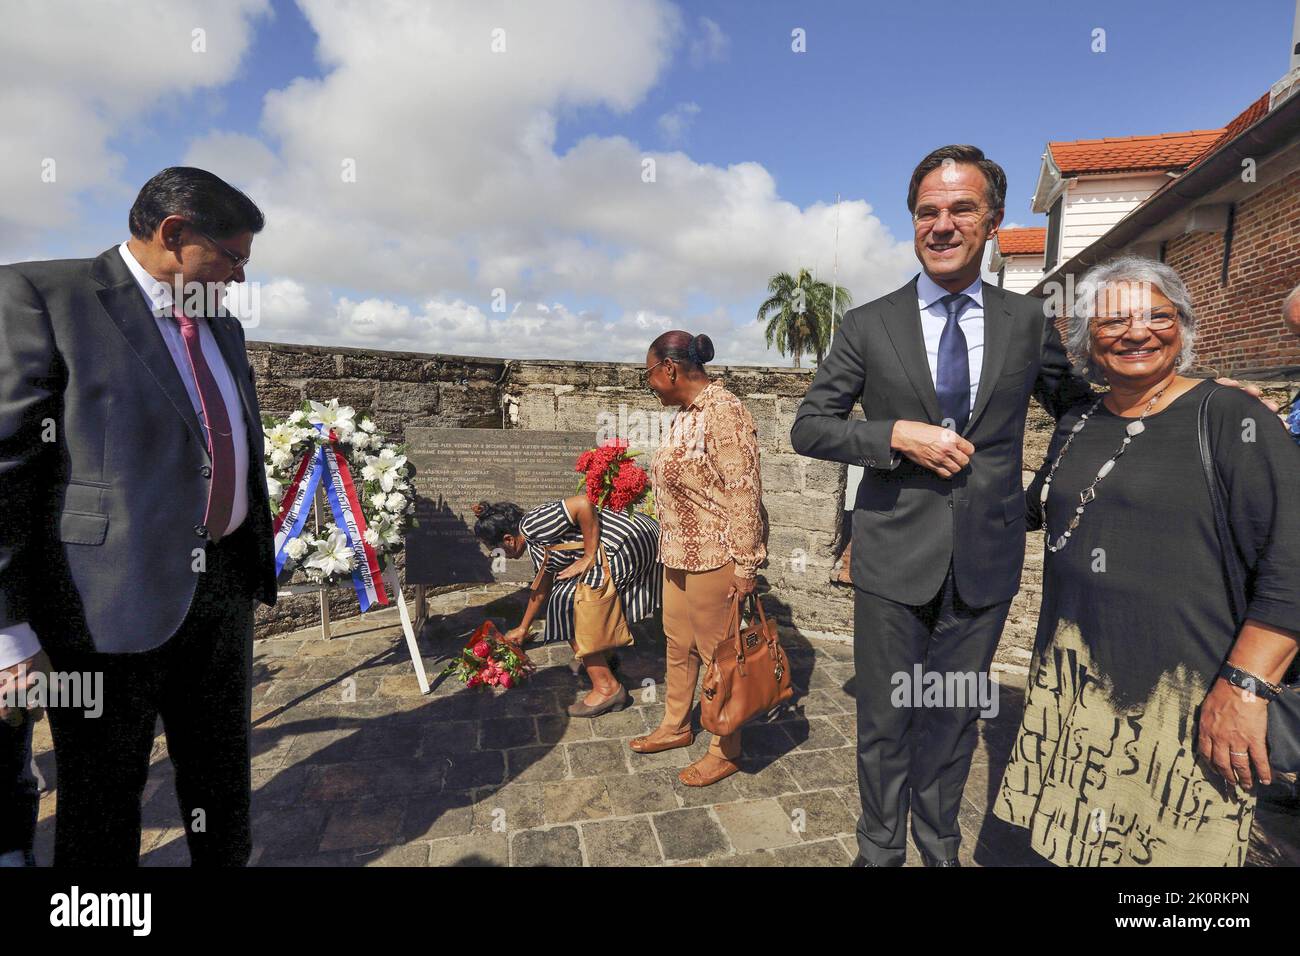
{"points": [[798, 314]]}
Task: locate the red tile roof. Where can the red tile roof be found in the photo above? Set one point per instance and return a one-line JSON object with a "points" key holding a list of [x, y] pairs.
{"points": [[1029, 241], [1240, 123], [1164, 151]]}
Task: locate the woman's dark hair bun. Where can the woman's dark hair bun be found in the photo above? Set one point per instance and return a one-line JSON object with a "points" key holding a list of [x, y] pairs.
{"points": [[681, 346], [702, 346], [495, 521]]}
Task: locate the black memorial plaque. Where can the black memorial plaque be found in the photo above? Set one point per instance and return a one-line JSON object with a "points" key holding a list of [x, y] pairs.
{"points": [[455, 468]]}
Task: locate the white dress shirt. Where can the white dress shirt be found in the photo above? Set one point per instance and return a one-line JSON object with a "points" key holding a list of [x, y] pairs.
{"points": [[934, 317], [158, 296], [19, 642]]}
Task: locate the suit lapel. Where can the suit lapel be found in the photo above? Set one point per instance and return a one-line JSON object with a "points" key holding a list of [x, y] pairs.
{"points": [[997, 336], [903, 324], [124, 304]]}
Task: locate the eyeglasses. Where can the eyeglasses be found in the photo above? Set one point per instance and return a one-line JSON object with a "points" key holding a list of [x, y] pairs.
{"points": [[645, 374], [926, 217], [236, 261], [1113, 326]]}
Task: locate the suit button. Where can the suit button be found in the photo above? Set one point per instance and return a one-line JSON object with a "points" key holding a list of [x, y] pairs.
{"points": [[201, 530], [949, 502], [206, 471]]}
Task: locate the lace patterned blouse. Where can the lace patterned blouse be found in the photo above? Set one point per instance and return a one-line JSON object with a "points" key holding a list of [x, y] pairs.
{"points": [[707, 487]]}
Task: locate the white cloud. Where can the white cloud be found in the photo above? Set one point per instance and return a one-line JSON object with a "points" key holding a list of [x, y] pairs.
{"points": [[709, 44], [238, 156], [674, 124], [460, 188], [75, 74], [530, 329]]}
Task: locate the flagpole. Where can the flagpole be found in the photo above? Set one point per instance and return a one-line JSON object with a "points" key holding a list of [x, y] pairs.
{"points": [[835, 264]]}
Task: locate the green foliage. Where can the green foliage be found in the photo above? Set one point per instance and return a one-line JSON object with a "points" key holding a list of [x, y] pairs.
{"points": [[798, 314]]}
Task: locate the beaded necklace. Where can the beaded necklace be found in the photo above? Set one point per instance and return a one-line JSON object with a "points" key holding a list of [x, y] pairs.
{"points": [[1132, 430]]}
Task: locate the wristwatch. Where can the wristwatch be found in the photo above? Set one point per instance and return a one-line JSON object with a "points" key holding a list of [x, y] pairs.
{"points": [[1249, 682]]}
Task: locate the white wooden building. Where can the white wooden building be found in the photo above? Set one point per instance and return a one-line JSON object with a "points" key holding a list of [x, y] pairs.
{"points": [[1086, 186], [1018, 257]]}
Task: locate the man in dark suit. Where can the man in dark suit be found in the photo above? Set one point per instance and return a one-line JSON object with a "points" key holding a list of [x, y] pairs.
{"points": [[134, 529], [944, 368]]}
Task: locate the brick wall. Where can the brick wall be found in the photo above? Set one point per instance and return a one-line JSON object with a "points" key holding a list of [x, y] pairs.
{"points": [[1240, 321]]}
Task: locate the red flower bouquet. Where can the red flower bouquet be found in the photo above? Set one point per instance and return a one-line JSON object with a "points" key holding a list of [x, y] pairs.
{"points": [[613, 480], [488, 661]]}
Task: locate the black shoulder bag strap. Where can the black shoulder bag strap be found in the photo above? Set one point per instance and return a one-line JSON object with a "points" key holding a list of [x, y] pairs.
{"points": [[1284, 711], [1234, 572]]}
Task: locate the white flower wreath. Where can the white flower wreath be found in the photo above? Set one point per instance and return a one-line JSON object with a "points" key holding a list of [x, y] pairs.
{"points": [[379, 470]]}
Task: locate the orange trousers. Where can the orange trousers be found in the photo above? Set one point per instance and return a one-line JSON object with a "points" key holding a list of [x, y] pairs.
{"points": [[696, 613]]}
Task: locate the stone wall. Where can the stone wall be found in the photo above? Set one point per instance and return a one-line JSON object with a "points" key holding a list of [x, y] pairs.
{"points": [[398, 389], [802, 496]]}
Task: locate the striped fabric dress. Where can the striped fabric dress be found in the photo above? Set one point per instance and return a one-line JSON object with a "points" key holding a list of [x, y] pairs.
{"points": [[631, 542]]}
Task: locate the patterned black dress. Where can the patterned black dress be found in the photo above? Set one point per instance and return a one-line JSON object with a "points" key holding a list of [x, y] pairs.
{"points": [[631, 541], [1135, 623]]}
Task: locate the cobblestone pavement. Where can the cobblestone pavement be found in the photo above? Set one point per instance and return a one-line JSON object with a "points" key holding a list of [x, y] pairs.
{"points": [[352, 766]]}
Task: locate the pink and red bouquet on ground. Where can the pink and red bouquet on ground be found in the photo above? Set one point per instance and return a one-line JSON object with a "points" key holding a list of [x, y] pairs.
{"points": [[488, 661], [613, 479]]}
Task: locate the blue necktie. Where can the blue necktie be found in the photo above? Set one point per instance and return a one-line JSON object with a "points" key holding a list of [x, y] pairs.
{"points": [[952, 377]]}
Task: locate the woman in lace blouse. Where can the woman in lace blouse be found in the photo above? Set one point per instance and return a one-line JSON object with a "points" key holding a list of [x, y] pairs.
{"points": [[712, 536]]}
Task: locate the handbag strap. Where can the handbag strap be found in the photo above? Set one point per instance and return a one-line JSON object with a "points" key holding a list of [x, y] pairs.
{"points": [[1234, 571], [733, 620]]}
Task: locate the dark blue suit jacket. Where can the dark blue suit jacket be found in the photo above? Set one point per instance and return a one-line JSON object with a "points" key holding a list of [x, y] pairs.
{"points": [[909, 524], [99, 526]]}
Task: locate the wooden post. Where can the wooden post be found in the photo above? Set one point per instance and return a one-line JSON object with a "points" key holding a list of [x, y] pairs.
{"points": [[421, 607], [412, 647], [390, 578]]}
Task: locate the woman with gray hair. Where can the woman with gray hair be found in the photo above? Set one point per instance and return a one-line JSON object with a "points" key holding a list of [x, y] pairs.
{"points": [[1142, 740], [1291, 319]]}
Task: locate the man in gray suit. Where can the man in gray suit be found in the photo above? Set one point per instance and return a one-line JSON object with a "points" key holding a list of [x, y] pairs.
{"points": [[944, 368], [135, 534]]}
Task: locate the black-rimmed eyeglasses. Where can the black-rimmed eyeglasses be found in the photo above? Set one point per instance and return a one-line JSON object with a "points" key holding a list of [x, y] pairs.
{"points": [[236, 261]]}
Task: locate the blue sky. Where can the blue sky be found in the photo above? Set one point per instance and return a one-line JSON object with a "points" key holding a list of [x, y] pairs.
{"points": [[883, 83], [519, 173]]}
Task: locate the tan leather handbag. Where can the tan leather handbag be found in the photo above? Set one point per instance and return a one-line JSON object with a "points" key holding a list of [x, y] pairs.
{"points": [[748, 676], [598, 620]]}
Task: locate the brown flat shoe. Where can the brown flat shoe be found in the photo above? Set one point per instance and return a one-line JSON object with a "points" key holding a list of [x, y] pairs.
{"points": [[693, 776], [616, 701], [649, 744]]}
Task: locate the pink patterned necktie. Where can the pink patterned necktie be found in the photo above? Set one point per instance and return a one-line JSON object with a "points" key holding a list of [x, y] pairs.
{"points": [[221, 445]]}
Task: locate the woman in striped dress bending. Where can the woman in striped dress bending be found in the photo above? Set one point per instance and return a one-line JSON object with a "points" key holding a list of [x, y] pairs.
{"points": [[631, 543]]}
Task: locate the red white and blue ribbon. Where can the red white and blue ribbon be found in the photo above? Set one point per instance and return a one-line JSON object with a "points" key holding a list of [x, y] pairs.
{"points": [[342, 495], [296, 504], [328, 465]]}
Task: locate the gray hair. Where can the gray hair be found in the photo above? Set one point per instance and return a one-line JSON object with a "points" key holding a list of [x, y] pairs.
{"points": [[1126, 269], [1292, 300]]}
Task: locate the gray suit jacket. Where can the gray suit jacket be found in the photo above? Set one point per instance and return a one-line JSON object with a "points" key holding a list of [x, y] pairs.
{"points": [[102, 461], [908, 523]]}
